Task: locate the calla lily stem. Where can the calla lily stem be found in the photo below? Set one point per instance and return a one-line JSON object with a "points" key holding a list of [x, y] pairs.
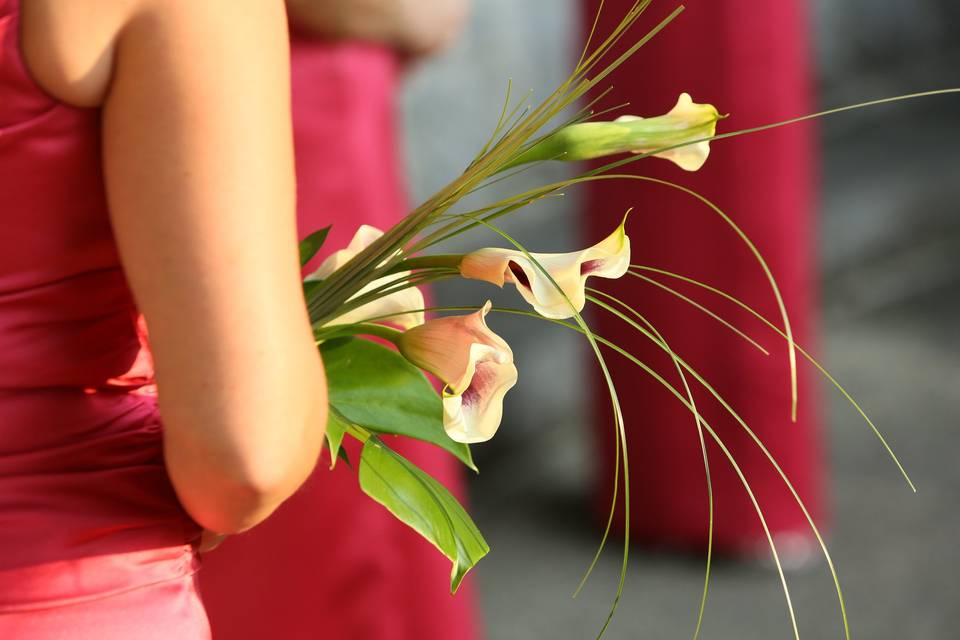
{"points": [[362, 329], [358, 433], [445, 261]]}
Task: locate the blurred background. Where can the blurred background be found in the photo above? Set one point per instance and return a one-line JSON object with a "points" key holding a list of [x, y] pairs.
{"points": [[888, 254]]}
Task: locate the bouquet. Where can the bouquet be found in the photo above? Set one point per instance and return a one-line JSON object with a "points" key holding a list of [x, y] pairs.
{"points": [[381, 349]]}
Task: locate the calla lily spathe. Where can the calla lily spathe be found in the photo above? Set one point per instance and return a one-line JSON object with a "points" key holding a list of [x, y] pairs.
{"points": [[404, 307], [609, 258], [686, 122], [474, 363]]}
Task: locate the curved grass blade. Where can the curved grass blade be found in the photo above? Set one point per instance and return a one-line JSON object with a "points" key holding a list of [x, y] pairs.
{"points": [[788, 330], [775, 328], [500, 123], [745, 239], [710, 313], [703, 448], [710, 431], [593, 31], [716, 438], [618, 424], [770, 458]]}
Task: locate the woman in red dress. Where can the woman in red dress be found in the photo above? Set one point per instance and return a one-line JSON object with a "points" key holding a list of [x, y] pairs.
{"points": [[331, 562], [146, 164], [754, 65]]}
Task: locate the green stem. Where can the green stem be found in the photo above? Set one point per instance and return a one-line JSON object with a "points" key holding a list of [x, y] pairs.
{"points": [[360, 329], [359, 433], [445, 261]]}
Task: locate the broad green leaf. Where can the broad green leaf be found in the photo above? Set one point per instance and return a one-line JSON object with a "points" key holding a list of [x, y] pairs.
{"points": [[311, 244], [424, 504], [376, 388], [336, 429]]}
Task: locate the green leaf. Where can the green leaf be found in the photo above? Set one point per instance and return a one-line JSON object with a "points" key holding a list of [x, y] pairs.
{"points": [[311, 244], [424, 504], [336, 429], [342, 454], [376, 388]]}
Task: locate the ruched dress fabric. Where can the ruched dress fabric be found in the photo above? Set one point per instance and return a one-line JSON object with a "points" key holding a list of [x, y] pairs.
{"points": [[330, 563], [93, 541]]}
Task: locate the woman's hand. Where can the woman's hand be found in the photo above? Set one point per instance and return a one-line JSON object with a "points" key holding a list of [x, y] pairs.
{"points": [[412, 27]]}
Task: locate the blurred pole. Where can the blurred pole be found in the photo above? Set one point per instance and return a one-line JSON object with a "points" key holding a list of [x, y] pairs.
{"points": [[753, 63]]}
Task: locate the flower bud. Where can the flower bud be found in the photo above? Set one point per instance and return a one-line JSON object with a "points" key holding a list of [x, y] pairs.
{"points": [[686, 122]]}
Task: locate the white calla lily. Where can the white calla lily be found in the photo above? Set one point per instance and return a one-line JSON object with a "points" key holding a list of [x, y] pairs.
{"points": [[609, 258], [403, 308], [475, 365]]}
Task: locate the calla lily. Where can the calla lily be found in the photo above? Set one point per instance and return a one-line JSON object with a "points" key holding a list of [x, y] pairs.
{"points": [[404, 307], [474, 363], [609, 258], [686, 122]]}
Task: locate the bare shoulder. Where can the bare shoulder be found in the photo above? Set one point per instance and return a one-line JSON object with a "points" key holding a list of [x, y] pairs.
{"points": [[71, 46]]}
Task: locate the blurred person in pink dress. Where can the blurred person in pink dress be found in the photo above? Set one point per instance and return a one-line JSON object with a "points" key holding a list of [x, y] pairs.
{"points": [[330, 562], [146, 178], [755, 65]]}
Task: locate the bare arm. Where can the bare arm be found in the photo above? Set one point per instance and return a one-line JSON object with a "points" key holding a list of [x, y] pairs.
{"points": [[413, 27], [199, 171]]}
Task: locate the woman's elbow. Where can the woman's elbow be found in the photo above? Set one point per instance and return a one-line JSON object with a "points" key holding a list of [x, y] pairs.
{"points": [[232, 493], [231, 510]]}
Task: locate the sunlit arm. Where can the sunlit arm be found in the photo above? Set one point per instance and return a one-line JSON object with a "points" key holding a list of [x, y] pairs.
{"points": [[199, 169]]}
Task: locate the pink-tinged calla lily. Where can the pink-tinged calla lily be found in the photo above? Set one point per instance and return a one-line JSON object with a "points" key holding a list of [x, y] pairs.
{"points": [[474, 363], [609, 258], [404, 307]]}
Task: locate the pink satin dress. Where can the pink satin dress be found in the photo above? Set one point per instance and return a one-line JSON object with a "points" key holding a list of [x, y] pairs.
{"points": [[331, 563], [93, 541]]}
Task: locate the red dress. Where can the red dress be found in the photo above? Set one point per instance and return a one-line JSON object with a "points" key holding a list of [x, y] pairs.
{"points": [[93, 541], [754, 64], [331, 563]]}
